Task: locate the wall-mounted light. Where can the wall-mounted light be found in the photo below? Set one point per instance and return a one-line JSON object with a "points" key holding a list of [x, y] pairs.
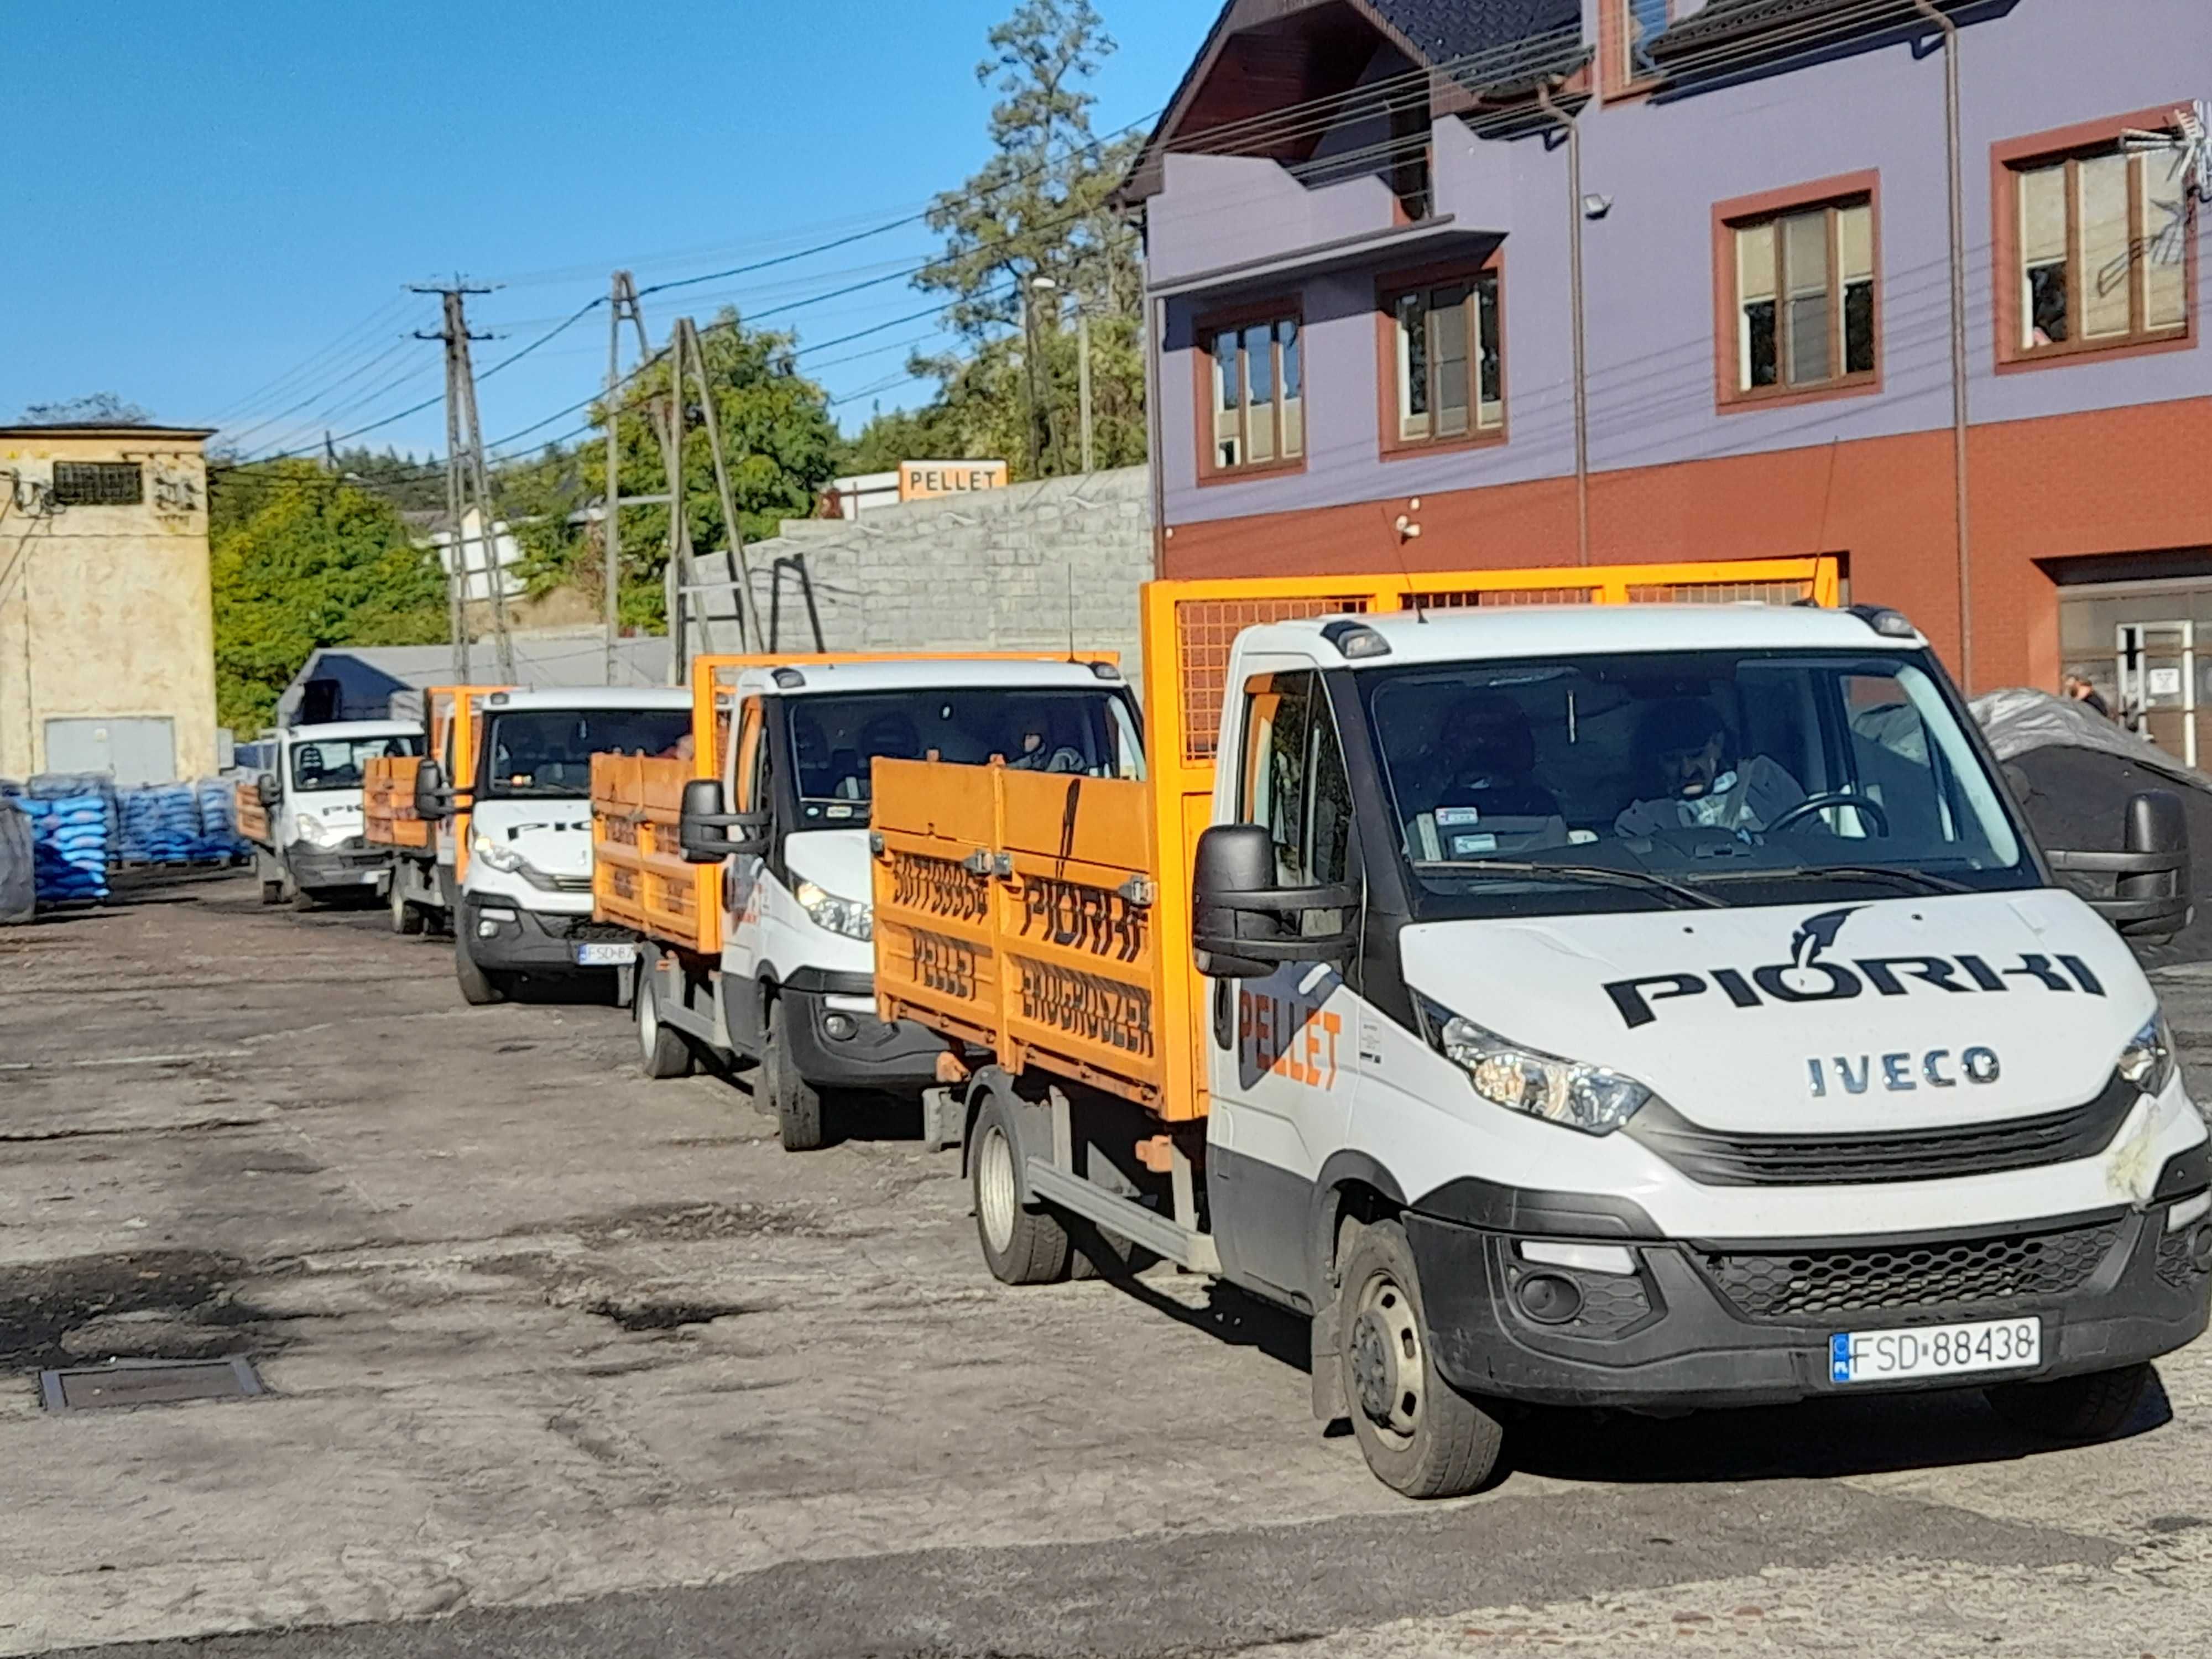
{"points": [[1595, 206]]}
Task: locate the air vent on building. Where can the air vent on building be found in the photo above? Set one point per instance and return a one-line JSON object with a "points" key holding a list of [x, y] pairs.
{"points": [[98, 483]]}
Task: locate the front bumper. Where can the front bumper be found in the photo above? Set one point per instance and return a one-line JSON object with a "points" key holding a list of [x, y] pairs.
{"points": [[351, 863], [836, 1043], [503, 938], [1737, 1324]]}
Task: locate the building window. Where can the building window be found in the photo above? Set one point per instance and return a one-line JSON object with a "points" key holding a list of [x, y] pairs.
{"points": [[98, 483], [2102, 253], [1258, 401], [1804, 298], [1448, 374], [1627, 30]]}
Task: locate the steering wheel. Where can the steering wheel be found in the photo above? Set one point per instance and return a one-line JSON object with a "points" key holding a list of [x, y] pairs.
{"points": [[1812, 803]]}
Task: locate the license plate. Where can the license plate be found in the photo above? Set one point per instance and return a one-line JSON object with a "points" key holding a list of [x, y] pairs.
{"points": [[606, 954], [1991, 1345]]}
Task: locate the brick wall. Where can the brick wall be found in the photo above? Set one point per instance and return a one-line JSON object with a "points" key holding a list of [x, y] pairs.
{"points": [[994, 571]]}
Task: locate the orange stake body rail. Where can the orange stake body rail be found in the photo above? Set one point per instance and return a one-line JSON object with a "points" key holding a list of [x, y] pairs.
{"points": [[1047, 919]]}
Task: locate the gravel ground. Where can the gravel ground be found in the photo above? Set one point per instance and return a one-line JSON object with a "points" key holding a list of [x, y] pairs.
{"points": [[564, 1361]]}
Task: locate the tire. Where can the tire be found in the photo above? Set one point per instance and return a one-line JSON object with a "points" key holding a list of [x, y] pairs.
{"points": [[1420, 1436], [407, 919], [664, 1053], [796, 1103], [480, 988], [272, 892], [1021, 1247], [2095, 1406]]}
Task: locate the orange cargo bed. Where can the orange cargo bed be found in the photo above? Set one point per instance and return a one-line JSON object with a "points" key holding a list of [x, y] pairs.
{"points": [[388, 815], [1047, 919]]}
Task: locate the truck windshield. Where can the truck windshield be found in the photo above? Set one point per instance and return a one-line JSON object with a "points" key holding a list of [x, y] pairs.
{"points": [[1080, 733], [340, 763], [1749, 776], [535, 752]]}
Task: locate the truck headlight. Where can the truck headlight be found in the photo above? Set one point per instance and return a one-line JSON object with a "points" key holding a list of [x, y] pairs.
{"points": [[503, 859], [849, 917], [1591, 1098], [2148, 1060], [316, 833]]}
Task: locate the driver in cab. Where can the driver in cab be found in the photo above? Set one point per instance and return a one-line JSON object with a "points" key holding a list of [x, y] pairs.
{"points": [[1700, 784]]}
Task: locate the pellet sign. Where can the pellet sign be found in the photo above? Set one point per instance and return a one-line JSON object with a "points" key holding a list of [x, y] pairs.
{"points": [[1291, 1039], [927, 481]]}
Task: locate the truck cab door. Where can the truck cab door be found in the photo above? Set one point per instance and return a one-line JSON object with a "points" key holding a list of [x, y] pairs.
{"points": [[1281, 1050], [746, 785]]}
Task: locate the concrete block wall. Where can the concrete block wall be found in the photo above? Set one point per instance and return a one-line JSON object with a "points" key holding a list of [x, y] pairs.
{"points": [[1006, 570]]}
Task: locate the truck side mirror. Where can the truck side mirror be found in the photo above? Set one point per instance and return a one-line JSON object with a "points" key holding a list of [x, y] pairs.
{"points": [[269, 789], [2151, 886], [433, 803], [703, 827], [1243, 926]]}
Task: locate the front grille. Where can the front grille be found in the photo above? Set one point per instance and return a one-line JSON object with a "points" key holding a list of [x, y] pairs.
{"points": [[1714, 1158], [2175, 1269], [585, 930], [1790, 1286], [572, 883]]}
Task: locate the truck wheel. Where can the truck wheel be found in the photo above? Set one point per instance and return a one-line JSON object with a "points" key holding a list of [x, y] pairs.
{"points": [[406, 918], [796, 1103], [272, 892], [1421, 1436], [1022, 1247], [666, 1053], [2096, 1407], [479, 988]]}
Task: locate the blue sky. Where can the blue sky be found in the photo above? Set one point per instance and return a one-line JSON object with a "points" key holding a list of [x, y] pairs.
{"points": [[208, 200]]}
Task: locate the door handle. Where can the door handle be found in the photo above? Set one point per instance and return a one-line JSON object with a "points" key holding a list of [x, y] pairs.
{"points": [[1224, 1011]]}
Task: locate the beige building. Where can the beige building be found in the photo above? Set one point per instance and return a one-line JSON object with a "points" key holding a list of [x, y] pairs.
{"points": [[106, 624]]}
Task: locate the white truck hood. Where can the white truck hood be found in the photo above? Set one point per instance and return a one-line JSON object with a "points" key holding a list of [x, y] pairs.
{"points": [[1812, 1017], [836, 860], [553, 836], [338, 809]]}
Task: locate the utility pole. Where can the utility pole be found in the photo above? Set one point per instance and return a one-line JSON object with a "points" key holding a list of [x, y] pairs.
{"points": [[622, 306], [688, 348], [466, 474], [1575, 305], [676, 573], [456, 571]]}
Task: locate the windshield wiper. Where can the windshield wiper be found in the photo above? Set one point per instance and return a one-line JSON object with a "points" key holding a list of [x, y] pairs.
{"points": [[1602, 873], [1918, 880]]}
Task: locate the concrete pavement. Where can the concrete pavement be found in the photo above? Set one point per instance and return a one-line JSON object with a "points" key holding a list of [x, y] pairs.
{"points": [[566, 1361]]}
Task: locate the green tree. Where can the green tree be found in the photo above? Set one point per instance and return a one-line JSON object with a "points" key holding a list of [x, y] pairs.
{"points": [[778, 441], [1028, 240], [300, 559], [897, 435]]}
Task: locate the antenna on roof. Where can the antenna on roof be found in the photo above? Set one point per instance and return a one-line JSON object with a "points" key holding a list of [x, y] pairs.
{"points": [[1071, 607], [2187, 138]]}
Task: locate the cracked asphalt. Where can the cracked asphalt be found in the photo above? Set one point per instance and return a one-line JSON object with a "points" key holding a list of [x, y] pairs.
{"points": [[561, 1362]]}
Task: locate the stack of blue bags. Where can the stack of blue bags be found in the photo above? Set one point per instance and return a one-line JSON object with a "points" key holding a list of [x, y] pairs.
{"points": [[216, 801], [74, 822], [160, 824]]}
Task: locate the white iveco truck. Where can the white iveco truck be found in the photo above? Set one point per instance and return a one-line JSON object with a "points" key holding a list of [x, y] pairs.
{"points": [[1643, 1006], [308, 844], [526, 886]]}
